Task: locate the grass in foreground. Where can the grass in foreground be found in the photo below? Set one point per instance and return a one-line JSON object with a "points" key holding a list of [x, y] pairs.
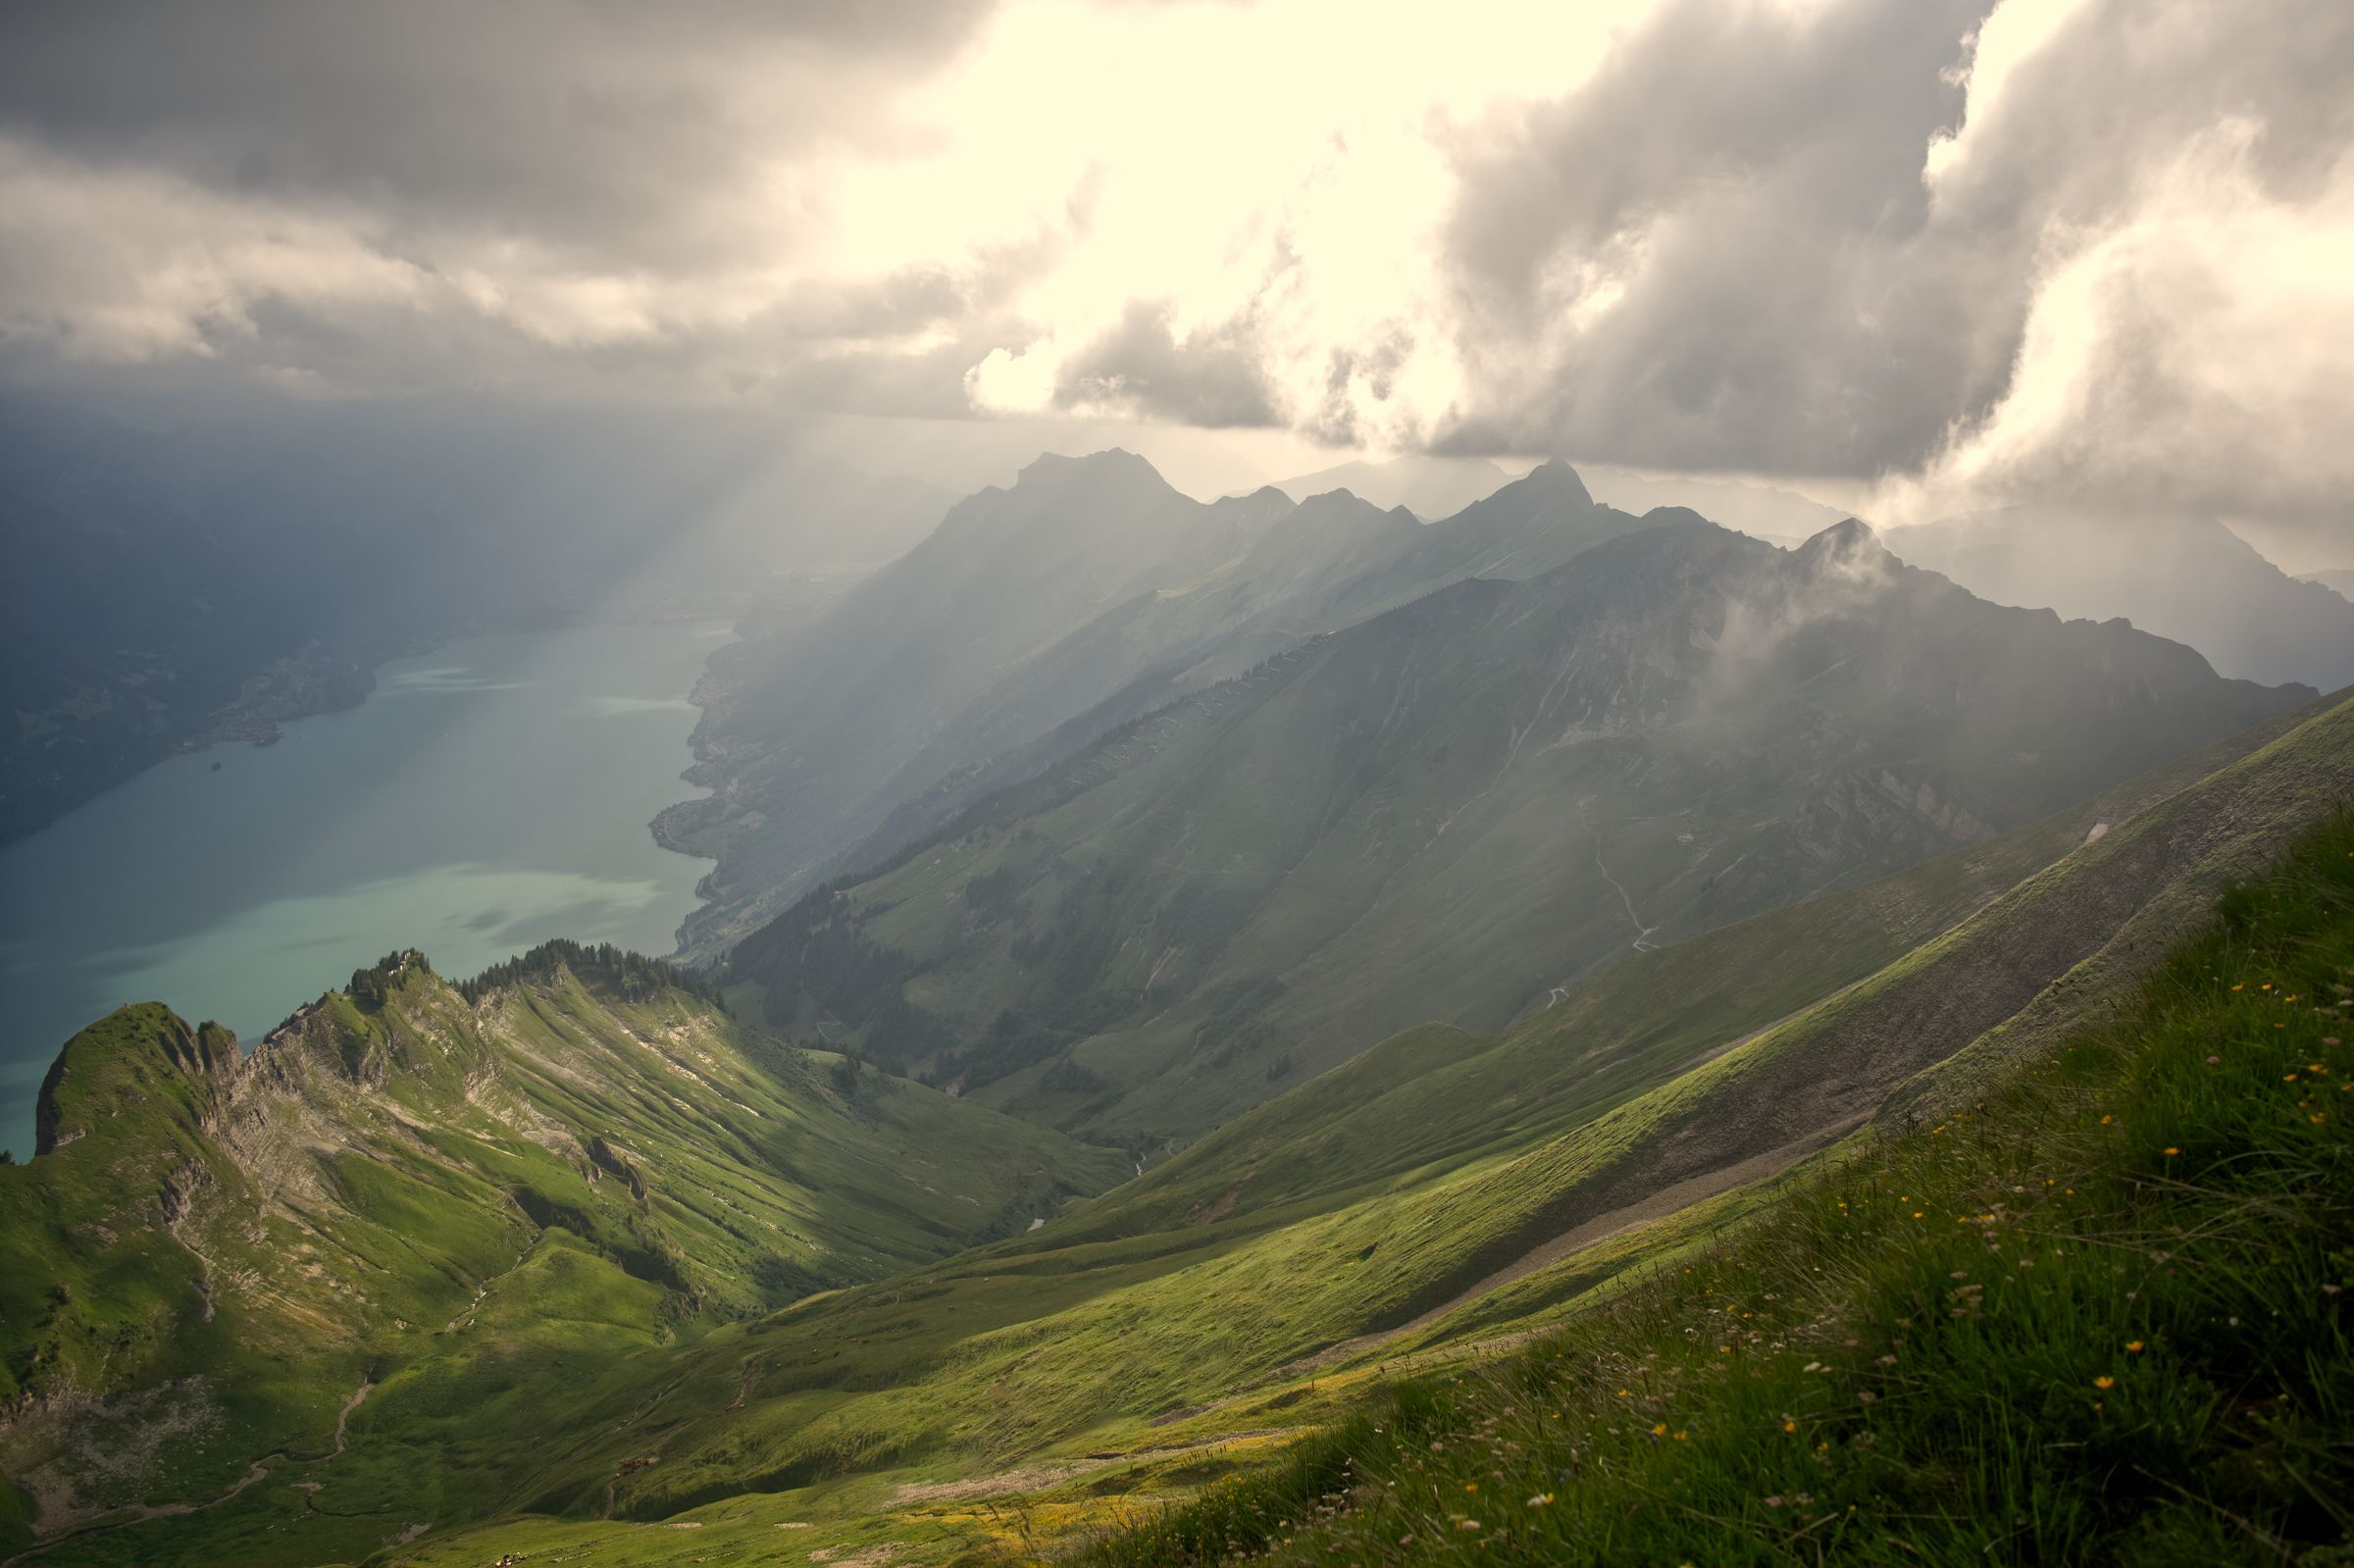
{"points": [[2104, 1319]]}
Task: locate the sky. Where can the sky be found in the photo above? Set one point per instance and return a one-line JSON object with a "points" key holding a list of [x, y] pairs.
{"points": [[1912, 256]]}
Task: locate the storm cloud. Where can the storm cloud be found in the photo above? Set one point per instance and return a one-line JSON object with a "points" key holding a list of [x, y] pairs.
{"points": [[1956, 249], [2092, 248]]}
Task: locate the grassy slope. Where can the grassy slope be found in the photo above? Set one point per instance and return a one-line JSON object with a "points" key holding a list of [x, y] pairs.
{"points": [[1178, 1309], [2099, 1317], [483, 1220]]}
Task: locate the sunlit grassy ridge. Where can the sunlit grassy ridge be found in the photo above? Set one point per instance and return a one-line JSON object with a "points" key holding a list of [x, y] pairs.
{"points": [[1433, 1200], [380, 1263], [2100, 1318], [1226, 1298]]}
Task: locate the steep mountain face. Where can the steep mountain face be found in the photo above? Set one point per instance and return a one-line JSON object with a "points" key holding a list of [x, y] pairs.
{"points": [[1037, 619], [1456, 808], [2340, 584], [401, 1189], [2182, 576]]}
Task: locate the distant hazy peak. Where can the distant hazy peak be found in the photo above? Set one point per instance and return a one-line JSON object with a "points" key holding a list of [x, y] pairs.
{"points": [[1556, 478], [1550, 485], [1114, 462], [1345, 509], [2180, 574], [1661, 518], [2339, 582], [1265, 495], [1852, 538]]}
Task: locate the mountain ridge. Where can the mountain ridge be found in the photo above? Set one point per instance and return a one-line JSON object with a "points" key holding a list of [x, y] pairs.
{"points": [[1079, 933], [2185, 576]]}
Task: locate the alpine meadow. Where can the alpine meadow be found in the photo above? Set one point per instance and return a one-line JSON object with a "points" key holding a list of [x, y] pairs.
{"points": [[1492, 784]]}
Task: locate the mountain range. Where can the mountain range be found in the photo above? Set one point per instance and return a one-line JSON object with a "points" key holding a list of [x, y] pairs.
{"points": [[445, 1273], [1035, 618], [2183, 576], [1183, 980], [2340, 583], [1458, 808]]}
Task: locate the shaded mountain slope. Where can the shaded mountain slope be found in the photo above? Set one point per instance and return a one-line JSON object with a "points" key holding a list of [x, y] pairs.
{"points": [[420, 1200], [1034, 619], [804, 730], [1331, 563], [2182, 576], [1453, 809]]}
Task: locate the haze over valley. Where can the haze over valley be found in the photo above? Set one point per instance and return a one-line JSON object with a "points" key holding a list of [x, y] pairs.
{"points": [[1046, 781]]}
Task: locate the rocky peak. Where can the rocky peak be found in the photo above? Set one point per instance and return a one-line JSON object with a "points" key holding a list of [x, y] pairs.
{"points": [[141, 1057]]}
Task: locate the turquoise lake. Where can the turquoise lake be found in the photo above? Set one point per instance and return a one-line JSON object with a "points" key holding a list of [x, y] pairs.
{"points": [[486, 797]]}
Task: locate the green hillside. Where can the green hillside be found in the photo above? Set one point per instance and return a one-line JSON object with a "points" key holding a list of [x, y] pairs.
{"points": [[2097, 1317], [1431, 1199], [1408, 820], [564, 1261], [406, 1204]]}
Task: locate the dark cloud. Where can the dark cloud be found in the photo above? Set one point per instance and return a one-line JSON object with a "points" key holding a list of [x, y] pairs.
{"points": [[1745, 183], [2043, 248], [1213, 380], [2096, 288], [629, 130]]}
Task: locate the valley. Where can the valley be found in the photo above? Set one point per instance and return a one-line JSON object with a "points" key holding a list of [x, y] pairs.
{"points": [[1226, 783], [1200, 1316], [1179, 985]]}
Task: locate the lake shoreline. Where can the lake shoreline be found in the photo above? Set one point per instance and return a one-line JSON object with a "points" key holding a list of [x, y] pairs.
{"points": [[487, 795]]}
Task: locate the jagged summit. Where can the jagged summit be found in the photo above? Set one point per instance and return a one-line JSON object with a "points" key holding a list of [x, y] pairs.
{"points": [[1850, 544], [1552, 484], [1109, 459]]}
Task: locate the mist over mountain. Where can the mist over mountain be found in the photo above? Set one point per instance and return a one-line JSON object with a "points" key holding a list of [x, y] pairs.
{"points": [[2340, 584], [2180, 575]]}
